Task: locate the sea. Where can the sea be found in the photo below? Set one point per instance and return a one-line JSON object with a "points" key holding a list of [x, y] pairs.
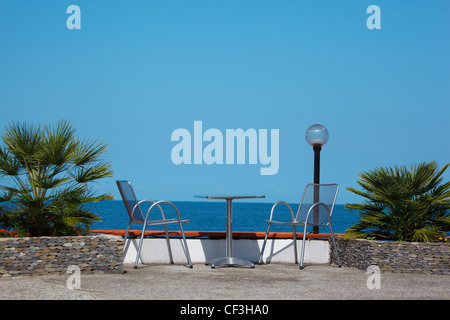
{"points": [[211, 216]]}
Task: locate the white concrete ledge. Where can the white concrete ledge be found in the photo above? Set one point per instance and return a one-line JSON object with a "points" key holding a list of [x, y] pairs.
{"points": [[277, 250]]}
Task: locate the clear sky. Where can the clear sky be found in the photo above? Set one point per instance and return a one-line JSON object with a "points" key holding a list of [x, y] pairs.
{"points": [[138, 70]]}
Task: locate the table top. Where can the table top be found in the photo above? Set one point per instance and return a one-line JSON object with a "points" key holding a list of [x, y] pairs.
{"points": [[230, 197]]}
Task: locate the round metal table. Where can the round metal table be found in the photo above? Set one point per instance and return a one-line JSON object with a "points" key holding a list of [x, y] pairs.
{"points": [[229, 260]]}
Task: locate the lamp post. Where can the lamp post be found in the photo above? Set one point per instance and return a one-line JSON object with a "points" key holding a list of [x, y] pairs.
{"points": [[316, 136]]}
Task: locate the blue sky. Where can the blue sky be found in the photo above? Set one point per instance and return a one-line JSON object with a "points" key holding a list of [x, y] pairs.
{"points": [[138, 70]]}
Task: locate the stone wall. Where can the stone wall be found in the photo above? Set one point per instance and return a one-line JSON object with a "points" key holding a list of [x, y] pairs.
{"points": [[53, 255], [393, 256]]}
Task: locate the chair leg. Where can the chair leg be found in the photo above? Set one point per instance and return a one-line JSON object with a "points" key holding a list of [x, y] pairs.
{"points": [[295, 246], [168, 244], [128, 230], [138, 253], [264, 245], [186, 249], [303, 247], [126, 236], [335, 247]]}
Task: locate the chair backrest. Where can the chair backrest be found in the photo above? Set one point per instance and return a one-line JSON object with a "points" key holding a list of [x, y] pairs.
{"points": [[130, 201], [326, 195]]}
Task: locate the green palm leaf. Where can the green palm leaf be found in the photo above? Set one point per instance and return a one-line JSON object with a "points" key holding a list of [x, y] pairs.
{"points": [[48, 171], [402, 203]]}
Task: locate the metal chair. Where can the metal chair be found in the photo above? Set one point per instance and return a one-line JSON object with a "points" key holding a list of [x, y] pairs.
{"points": [[315, 209], [136, 216]]}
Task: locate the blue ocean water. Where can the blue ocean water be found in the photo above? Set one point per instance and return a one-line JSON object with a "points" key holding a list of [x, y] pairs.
{"points": [[211, 216]]}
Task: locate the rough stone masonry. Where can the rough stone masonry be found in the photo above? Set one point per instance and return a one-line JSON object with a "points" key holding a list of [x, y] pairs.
{"points": [[53, 255], [393, 256]]}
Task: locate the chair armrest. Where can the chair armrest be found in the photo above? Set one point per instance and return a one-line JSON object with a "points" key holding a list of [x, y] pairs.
{"points": [[278, 203], [317, 204], [137, 205], [157, 203]]}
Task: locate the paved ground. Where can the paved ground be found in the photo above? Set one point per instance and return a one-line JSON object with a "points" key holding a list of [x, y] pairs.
{"points": [[272, 282]]}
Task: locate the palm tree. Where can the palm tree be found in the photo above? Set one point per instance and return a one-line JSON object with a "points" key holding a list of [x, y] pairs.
{"points": [[46, 174], [403, 204]]}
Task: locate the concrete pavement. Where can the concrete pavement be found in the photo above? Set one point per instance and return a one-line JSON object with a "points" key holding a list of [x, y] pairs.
{"points": [[264, 282]]}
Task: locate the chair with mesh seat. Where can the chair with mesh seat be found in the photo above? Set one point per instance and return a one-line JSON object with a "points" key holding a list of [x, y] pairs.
{"points": [[135, 212], [315, 209]]}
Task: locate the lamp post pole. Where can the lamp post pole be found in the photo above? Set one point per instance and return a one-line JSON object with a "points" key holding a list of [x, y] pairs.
{"points": [[316, 188], [316, 136]]}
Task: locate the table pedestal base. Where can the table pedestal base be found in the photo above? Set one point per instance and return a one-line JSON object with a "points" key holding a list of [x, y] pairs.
{"points": [[229, 262]]}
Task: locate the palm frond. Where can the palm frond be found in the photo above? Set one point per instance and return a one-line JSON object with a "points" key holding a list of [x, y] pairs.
{"points": [[403, 203], [49, 170]]}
